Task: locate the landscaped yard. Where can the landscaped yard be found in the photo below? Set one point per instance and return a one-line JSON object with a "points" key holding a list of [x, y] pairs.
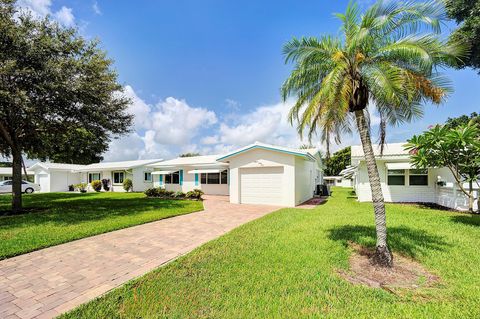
{"points": [[56, 218], [285, 264]]}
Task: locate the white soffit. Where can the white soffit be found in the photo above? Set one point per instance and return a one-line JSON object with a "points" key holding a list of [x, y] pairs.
{"points": [[404, 165], [162, 172], [197, 171]]}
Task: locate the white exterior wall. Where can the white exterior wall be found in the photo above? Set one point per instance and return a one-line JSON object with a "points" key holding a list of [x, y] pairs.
{"points": [[394, 193], [42, 178], [264, 158], [188, 184], [59, 180], [306, 177]]}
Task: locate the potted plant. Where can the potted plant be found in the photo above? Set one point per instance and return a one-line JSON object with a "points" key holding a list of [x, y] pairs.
{"points": [[127, 184], [96, 185], [71, 188], [106, 184]]}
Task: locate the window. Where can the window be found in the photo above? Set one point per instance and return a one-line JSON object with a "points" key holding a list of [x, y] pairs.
{"points": [[418, 177], [224, 177], [214, 178], [173, 178], [147, 176], [118, 177], [93, 177], [396, 177]]}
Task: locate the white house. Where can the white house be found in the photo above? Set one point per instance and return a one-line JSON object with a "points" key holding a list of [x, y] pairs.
{"points": [[401, 182], [255, 174], [6, 173], [339, 181], [56, 177]]}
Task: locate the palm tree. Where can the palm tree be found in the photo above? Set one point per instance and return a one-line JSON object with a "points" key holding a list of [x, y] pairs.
{"points": [[386, 60]]}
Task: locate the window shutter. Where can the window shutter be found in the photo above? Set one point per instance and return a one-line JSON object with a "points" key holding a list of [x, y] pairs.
{"points": [[196, 179], [161, 180], [181, 177]]}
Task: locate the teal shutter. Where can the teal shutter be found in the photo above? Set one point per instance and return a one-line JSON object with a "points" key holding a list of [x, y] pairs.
{"points": [[196, 179], [161, 180], [181, 176]]}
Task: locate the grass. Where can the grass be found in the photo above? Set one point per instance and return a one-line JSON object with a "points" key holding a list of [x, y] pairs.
{"points": [[57, 218], [284, 266]]}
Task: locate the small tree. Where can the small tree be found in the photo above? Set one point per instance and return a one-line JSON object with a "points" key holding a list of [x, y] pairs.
{"points": [[458, 149], [128, 185], [337, 162]]}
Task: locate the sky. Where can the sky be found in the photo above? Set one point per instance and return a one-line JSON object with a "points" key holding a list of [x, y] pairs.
{"points": [[205, 76]]}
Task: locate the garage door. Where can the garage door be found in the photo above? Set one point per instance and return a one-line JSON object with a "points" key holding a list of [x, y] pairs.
{"points": [[43, 182], [263, 185]]}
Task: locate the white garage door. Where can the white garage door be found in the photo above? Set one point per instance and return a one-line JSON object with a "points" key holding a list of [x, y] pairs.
{"points": [[263, 185]]}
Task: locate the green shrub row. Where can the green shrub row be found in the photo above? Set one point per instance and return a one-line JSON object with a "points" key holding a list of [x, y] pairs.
{"points": [[159, 192]]}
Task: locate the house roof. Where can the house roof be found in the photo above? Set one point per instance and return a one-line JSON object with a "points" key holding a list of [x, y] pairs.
{"points": [[308, 153], [8, 171], [204, 160], [391, 149], [117, 165], [57, 166]]}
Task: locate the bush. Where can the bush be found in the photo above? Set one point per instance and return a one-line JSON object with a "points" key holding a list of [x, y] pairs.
{"points": [[106, 184], [127, 184], [195, 194], [153, 192], [82, 187], [179, 195], [71, 188], [96, 185]]}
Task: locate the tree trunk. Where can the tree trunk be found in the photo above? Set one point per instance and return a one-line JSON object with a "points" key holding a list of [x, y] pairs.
{"points": [[17, 182], [470, 196], [382, 257]]}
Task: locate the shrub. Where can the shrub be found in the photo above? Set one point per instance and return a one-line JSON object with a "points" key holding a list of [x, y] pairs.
{"points": [[179, 195], [71, 188], [96, 185], [152, 192], [81, 187], [195, 194], [127, 184], [106, 184]]}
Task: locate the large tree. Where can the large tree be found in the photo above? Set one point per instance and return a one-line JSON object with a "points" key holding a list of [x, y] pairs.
{"points": [[467, 14], [57, 90], [337, 162], [387, 58]]}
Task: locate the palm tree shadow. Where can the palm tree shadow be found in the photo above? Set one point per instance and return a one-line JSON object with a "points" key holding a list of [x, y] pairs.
{"points": [[403, 240], [471, 220]]}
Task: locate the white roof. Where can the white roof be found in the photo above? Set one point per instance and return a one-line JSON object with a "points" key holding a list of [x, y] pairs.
{"points": [[117, 165], [309, 153], [205, 160], [8, 171], [57, 166], [391, 149]]}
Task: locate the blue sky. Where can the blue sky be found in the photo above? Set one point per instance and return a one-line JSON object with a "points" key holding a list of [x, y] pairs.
{"points": [[205, 75]]}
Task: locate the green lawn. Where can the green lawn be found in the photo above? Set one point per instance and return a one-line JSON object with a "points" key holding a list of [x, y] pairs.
{"points": [[61, 217], [284, 266]]}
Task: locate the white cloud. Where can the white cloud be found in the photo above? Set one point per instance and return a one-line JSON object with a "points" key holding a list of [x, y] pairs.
{"points": [[96, 8], [41, 8], [65, 16]]}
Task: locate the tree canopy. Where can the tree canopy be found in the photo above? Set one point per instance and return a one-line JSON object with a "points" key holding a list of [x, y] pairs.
{"points": [[189, 154], [467, 14], [59, 96], [454, 122], [337, 162]]}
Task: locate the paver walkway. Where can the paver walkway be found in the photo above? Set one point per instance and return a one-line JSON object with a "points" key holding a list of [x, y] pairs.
{"points": [[48, 282]]}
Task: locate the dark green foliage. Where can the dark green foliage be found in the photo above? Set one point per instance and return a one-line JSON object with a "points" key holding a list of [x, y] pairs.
{"points": [[159, 192], [106, 184], [96, 185], [189, 155], [5, 164], [195, 194], [127, 185], [59, 96], [179, 195], [462, 120], [339, 161], [467, 15]]}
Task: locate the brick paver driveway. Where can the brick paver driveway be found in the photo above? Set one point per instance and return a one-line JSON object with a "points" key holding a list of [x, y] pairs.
{"points": [[50, 281]]}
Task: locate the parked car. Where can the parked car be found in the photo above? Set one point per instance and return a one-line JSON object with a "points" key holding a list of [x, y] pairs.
{"points": [[27, 187]]}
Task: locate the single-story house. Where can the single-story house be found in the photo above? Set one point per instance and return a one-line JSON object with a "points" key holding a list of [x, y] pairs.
{"points": [[6, 173], [338, 181], [56, 177], [402, 182], [255, 174]]}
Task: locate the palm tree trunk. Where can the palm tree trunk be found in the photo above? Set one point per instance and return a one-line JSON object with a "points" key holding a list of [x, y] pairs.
{"points": [[382, 257], [17, 182]]}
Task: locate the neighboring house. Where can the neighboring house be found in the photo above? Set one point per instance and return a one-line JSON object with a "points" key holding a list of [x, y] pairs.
{"points": [[339, 181], [56, 177], [401, 182], [6, 173], [255, 174]]}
